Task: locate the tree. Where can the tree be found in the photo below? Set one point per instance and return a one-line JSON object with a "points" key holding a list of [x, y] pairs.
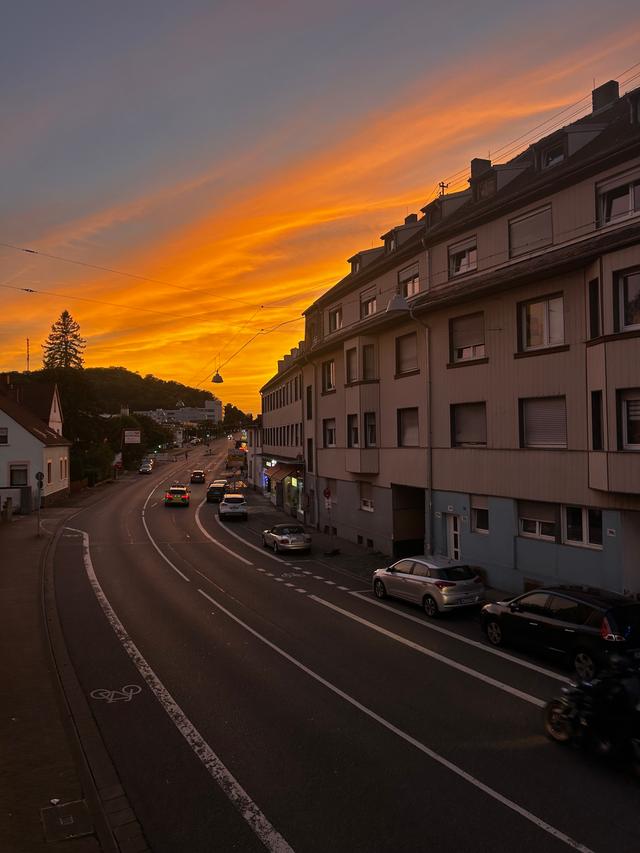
{"points": [[64, 346]]}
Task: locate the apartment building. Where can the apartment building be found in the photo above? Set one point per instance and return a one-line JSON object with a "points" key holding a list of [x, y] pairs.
{"points": [[283, 474], [472, 386]]}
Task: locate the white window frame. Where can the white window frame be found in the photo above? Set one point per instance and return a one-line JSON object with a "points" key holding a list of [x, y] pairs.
{"points": [[548, 343], [329, 375], [633, 396], [368, 304], [335, 319], [475, 351], [585, 541], [621, 281], [538, 531], [329, 432], [549, 163], [629, 179], [366, 504], [468, 252], [409, 281]]}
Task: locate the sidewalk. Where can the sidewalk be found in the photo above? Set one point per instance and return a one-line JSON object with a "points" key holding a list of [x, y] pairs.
{"points": [[48, 792]]}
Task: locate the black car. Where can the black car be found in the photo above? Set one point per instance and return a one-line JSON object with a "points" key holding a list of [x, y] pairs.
{"points": [[581, 625], [197, 476]]}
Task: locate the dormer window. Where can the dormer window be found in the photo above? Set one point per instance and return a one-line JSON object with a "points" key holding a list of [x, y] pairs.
{"points": [[553, 155], [486, 187], [355, 265], [391, 243]]}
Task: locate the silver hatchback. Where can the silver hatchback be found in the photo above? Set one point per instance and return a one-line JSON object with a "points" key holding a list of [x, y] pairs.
{"points": [[436, 583]]}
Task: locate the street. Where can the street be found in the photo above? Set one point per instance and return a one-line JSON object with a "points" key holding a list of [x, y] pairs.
{"points": [[250, 700]]}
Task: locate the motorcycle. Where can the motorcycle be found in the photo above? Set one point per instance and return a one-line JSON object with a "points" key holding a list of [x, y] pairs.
{"points": [[601, 715]]}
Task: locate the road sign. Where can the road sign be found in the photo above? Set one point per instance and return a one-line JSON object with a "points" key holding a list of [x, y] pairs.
{"points": [[132, 436], [327, 503], [327, 493]]}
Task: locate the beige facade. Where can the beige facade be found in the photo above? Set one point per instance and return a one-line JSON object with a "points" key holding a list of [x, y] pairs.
{"points": [[493, 412]]}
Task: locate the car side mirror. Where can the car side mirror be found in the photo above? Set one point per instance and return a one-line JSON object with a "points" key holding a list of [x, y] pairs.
{"points": [[515, 607], [390, 569]]}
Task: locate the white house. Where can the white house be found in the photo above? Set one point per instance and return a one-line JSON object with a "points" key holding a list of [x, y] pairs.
{"points": [[29, 445]]}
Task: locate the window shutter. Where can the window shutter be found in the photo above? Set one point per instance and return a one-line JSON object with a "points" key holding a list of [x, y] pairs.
{"points": [[406, 353], [479, 502], [538, 511], [545, 422], [468, 331], [470, 423]]}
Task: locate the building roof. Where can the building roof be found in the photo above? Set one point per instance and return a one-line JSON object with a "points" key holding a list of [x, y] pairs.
{"points": [[34, 425], [37, 397]]}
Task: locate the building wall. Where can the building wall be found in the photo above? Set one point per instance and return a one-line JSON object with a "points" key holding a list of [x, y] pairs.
{"points": [[24, 448]]}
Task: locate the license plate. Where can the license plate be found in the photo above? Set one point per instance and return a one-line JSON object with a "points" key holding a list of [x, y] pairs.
{"points": [[469, 600]]}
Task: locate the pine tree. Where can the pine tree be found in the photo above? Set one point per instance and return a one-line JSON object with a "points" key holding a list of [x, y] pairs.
{"points": [[64, 346]]}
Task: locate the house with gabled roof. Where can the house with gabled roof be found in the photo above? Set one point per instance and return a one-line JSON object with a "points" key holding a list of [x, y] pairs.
{"points": [[31, 442]]}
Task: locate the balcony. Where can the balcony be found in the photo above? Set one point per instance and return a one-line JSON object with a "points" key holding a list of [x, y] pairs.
{"points": [[361, 460]]}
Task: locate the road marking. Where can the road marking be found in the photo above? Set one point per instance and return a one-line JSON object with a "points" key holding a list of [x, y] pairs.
{"points": [[519, 694], [262, 550], [215, 541], [318, 578], [304, 572], [125, 695], [344, 588], [482, 646], [301, 590], [153, 542], [330, 583], [439, 759], [289, 584], [249, 810]]}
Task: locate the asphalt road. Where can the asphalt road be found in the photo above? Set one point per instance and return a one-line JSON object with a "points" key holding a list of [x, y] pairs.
{"points": [[250, 701]]}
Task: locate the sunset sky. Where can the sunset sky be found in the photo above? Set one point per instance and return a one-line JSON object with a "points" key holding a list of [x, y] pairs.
{"points": [[237, 153]]}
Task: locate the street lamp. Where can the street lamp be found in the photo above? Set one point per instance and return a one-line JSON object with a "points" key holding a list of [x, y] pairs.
{"points": [[398, 304]]}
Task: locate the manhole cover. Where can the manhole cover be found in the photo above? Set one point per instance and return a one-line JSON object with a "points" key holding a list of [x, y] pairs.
{"points": [[68, 820]]}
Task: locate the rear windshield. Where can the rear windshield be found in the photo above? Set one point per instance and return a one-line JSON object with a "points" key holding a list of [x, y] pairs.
{"points": [[453, 573], [198, 473], [232, 500], [289, 531], [627, 621], [218, 487], [178, 491]]}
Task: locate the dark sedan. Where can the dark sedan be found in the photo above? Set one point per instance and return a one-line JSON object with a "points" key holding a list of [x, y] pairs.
{"points": [[580, 625]]}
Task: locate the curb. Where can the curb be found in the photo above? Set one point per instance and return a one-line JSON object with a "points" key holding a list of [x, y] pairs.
{"points": [[116, 827]]}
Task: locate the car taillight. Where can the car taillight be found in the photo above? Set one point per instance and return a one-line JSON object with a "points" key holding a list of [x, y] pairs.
{"points": [[285, 542], [607, 634], [167, 496], [443, 584]]}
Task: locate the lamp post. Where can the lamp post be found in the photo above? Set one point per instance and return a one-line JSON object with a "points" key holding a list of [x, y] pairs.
{"points": [[399, 305]]}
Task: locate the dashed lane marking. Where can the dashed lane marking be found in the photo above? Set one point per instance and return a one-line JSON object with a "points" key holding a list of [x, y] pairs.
{"points": [[249, 810], [301, 590], [330, 583], [215, 541], [155, 545]]}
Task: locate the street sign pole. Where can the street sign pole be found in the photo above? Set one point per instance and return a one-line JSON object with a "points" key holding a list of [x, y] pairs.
{"points": [[39, 478]]}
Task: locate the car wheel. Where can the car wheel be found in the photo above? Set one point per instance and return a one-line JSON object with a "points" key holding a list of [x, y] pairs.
{"points": [[493, 630], [584, 665], [556, 725], [430, 606], [378, 589]]}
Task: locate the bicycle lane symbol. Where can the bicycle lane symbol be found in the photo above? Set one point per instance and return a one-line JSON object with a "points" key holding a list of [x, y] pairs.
{"points": [[126, 694]]}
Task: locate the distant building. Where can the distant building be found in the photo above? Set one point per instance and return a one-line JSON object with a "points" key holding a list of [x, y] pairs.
{"points": [[211, 412]]}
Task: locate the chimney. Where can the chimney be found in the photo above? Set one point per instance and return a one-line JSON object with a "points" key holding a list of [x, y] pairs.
{"points": [[605, 95], [411, 218], [479, 167]]}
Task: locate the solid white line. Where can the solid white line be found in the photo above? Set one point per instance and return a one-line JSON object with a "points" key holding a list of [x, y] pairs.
{"points": [[263, 551], [201, 749], [215, 541], [458, 771], [153, 542], [476, 645], [527, 697]]}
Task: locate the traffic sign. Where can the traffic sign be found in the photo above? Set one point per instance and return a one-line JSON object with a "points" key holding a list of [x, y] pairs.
{"points": [[327, 493], [327, 504]]}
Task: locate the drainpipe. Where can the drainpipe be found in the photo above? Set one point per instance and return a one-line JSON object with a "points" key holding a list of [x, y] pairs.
{"points": [[429, 490]]}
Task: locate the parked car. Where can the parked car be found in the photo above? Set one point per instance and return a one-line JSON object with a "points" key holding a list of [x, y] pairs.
{"points": [[216, 491], [437, 583], [177, 496], [233, 506], [580, 625], [286, 537], [197, 476], [145, 468]]}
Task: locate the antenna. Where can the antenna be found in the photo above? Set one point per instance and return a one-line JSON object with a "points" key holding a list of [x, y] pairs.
{"points": [[443, 187]]}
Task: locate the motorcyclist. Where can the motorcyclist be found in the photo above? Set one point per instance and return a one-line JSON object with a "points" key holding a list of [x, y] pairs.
{"points": [[616, 707]]}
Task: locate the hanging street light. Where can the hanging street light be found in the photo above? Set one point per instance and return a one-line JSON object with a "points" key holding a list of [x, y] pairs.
{"points": [[217, 378]]}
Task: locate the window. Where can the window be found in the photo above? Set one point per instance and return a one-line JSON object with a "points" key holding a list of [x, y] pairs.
{"points": [[351, 362], [542, 323], [335, 319], [595, 321], [596, 421], [366, 497], [479, 513], [538, 520], [4, 435], [630, 401], [329, 432], [355, 265], [49, 475], [18, 475], [309, 402], [61, 469], [407, 353], [370, 436], [408, 435], [409, 281], [391, 243], [618, 198], [352, 431], [627, 294], [544, 422], [466, 335], [368, 361], [310, 454], [530, 232], [469, 425], [463, 257], [367, 304], [534, 603], [552, 155], [582, 525], [567, 610], [328, 375]]}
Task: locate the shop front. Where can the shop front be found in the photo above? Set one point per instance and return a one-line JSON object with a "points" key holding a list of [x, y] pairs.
{"points": [[284, 483]]}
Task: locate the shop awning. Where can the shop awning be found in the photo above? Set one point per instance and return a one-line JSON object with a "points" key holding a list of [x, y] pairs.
{"points": [[280, 471]]}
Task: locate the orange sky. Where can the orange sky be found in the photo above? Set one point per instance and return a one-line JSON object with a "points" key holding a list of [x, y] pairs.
{"points": [[257, 230]]}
